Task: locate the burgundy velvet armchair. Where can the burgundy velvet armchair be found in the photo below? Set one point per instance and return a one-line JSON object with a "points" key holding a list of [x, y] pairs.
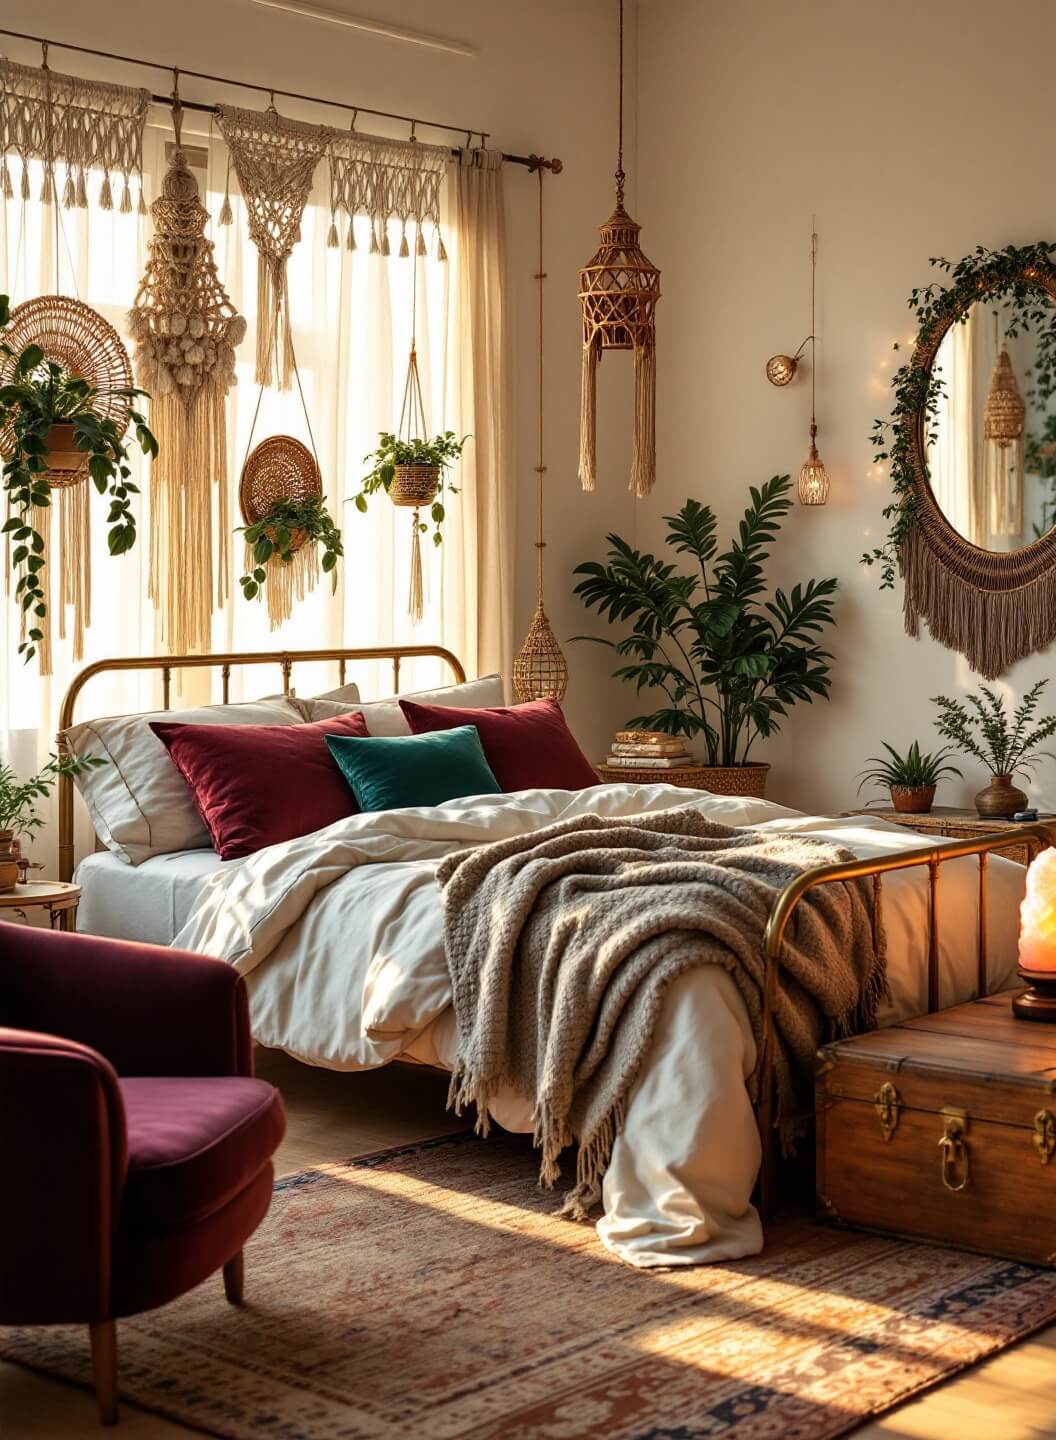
{"points": [[137, 1144]]}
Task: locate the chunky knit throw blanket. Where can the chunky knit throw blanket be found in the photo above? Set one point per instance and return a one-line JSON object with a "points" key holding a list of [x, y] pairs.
{"points": [[561, 943]]}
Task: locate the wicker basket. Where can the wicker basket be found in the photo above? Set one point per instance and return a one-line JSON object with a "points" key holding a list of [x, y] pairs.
{"points": [[414, 485], [747, 780]]}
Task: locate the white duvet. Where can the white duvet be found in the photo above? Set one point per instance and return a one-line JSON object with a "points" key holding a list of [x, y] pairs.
{"points": [[339, 936]]}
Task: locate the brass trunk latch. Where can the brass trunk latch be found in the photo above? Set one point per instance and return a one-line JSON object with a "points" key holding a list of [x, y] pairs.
{"points": [[953, 1148], [1045, 1135], [888, 1103]]}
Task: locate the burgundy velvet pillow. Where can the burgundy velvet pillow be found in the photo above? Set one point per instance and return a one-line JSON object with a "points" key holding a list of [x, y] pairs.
{"points": [[528, 747], [258, 784]]}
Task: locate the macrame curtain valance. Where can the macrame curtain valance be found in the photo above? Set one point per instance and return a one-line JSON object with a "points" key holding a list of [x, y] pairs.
{"points": [[274, 159], [73, 126], [387, 180]]}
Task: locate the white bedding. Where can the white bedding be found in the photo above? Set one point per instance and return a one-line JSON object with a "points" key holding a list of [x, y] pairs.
{"points": [[148, 902], [339, 936]]}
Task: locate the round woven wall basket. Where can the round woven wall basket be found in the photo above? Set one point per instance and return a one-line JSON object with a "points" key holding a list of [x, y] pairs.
{"points": [[77, 338], [279, 468], [414, 485]]}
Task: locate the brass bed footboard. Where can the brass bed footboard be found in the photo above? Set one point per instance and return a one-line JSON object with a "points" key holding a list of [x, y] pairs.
{"points": [[1034, 837]]}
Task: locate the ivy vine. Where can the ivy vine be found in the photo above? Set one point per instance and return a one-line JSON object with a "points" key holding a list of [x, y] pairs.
{"points": [[1014, 275]]}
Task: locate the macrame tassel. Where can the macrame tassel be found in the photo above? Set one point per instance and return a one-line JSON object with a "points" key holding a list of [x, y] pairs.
{"points": [[588, 418], [126, 199], [643, 464], [332, 239], [416, 595], [69, 192], [82, 190], [405, 249], [350, 236], [106, 195]]}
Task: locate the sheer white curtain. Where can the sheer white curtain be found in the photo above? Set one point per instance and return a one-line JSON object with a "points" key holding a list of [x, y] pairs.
{"points": [[352, 321]]}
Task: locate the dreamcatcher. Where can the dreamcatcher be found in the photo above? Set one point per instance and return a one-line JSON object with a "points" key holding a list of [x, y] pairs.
{"points": [[186, 330]]}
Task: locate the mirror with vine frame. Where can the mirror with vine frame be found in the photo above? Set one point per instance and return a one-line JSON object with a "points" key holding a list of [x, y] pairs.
{"points": [[972, 451]]}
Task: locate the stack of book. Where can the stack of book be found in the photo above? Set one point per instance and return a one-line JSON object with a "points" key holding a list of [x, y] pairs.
{"points": [[648, 750]]}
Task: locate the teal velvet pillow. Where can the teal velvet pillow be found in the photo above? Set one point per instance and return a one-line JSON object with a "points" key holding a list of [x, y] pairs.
{"points": [[390, 772]]}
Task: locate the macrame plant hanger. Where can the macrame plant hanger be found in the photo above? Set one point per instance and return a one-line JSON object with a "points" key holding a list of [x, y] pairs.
{"points": [[540, 671]]}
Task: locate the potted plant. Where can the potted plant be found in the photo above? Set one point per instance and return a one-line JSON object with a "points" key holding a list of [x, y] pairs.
{"points": [[288, 526], [911, 778], [50, 423], [981, 727], [18, 807], [413, 474], [729, 661]]}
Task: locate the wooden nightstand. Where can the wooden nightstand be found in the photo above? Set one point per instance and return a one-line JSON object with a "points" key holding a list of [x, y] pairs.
{"points": [[946, 822], [56, 896]]}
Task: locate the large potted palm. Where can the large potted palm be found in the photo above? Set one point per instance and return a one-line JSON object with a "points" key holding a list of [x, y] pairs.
{"points": [[728, 660]]}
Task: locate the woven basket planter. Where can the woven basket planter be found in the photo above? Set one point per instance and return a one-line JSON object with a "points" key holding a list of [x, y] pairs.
{"points": [[414, 485]]}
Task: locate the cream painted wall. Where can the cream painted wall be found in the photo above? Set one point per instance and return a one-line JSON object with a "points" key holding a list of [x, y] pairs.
{"points": [[911, 130], [538, 82]]}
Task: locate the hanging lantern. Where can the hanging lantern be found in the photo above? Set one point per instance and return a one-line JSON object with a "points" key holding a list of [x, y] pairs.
{"points": [[618, 291], [813, 485], [1005, 411]]}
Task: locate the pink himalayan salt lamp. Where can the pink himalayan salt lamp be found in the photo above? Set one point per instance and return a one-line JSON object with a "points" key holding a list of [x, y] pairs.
{"points": [[1037, 941]]}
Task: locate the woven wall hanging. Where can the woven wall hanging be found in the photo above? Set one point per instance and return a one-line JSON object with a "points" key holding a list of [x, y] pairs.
{"points": [[73, 127], [185, 331], [540, 671], [274, 159], [618, 291], [78, 339], [386, 180]]}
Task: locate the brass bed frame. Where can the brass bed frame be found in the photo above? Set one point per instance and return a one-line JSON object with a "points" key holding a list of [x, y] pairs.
{"points": [[1034, 837]]}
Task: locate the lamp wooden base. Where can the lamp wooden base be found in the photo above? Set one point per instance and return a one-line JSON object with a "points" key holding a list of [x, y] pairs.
{"points": [[1037, 1003]]}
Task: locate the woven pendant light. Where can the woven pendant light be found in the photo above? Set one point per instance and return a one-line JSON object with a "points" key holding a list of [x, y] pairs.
{"points": [[812, 488], [1005, 411], [540, 671], [618, 291]]}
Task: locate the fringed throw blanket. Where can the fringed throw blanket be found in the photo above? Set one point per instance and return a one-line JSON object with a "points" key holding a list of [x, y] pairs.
{"points": [[561, 944]]}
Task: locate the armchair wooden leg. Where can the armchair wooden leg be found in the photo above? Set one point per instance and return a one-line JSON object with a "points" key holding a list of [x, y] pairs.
{"points": [[234, 1278], [104, 1364]]}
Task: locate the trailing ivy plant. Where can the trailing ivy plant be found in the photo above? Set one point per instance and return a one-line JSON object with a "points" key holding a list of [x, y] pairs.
{"points": [[729, 662], [273, 538], [39, 395], [1010, 275], [441, 451]]}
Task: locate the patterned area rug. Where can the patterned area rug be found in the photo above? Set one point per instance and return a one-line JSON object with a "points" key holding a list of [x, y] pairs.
{"points": [[429, 1291]]}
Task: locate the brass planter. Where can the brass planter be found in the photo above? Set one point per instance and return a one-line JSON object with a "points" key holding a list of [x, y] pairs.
{"points": [[1000, 799], [912, 799]]}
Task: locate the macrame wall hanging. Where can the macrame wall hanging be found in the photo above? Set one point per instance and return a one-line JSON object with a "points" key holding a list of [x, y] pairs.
{"points": [[540, 671], [274, 159], [618, 291], [185, 331], [387, 180], [78, 339], [1003, 422], [73, 127]]}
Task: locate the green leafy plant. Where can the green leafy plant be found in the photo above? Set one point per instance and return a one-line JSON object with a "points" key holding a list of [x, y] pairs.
{"points": [[274, 537], [41, 394], [1012, 275], [729, 661], [19, 799], [980, 726], [441, 451], [915, 770]]}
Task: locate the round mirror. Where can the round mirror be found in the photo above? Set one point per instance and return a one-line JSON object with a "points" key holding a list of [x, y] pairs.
{"points": [[991, 433]]}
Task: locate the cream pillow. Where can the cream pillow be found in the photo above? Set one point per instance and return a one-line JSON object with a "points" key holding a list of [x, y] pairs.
{"points": [[384, 717], [139, 803]]}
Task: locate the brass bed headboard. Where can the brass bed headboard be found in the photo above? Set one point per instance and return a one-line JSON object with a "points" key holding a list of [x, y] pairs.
{"points": [[285, 659]]}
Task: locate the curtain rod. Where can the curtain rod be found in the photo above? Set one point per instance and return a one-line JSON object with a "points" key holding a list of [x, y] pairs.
{"points": [[533, 162]]}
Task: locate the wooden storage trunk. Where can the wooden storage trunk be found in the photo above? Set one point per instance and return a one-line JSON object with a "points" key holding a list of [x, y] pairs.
{"points": [[944, 1129]]}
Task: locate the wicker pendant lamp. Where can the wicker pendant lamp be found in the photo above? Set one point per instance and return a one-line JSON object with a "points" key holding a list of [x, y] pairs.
{"points": [[540, 671], [813, 484], [618, 291]]}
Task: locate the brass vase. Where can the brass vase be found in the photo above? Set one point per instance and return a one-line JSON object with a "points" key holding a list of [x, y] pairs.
{"points": [[1000, 799]]}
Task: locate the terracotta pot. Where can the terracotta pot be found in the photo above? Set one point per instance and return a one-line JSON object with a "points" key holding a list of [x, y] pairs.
{"points": [[9, 857], [912, 799], [63, 455], [414, 485], [749, 780], [1000, 800]]}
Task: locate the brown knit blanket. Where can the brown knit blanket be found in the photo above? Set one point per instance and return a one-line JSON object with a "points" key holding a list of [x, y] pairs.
{"points": [[561, 943]]}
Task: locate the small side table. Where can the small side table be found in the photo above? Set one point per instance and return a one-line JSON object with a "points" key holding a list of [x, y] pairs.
{"points": [[57, 897]]}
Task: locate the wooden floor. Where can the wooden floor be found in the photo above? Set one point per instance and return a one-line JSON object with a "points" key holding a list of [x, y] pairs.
{"points": [[332, 1116]]}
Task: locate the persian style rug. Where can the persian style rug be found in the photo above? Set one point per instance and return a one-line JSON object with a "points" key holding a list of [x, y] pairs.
{"points": [[430, 1291]]}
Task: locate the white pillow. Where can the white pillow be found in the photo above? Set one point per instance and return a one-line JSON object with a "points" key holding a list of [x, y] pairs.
{"points": [[384, 717], [139, 803]]}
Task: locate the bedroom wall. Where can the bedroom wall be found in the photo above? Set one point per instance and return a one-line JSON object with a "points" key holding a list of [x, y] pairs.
{"points": [[534, 78], [911, 130]]}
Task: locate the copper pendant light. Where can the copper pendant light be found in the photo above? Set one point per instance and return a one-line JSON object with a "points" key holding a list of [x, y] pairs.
{"points": [[618, 291]]}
